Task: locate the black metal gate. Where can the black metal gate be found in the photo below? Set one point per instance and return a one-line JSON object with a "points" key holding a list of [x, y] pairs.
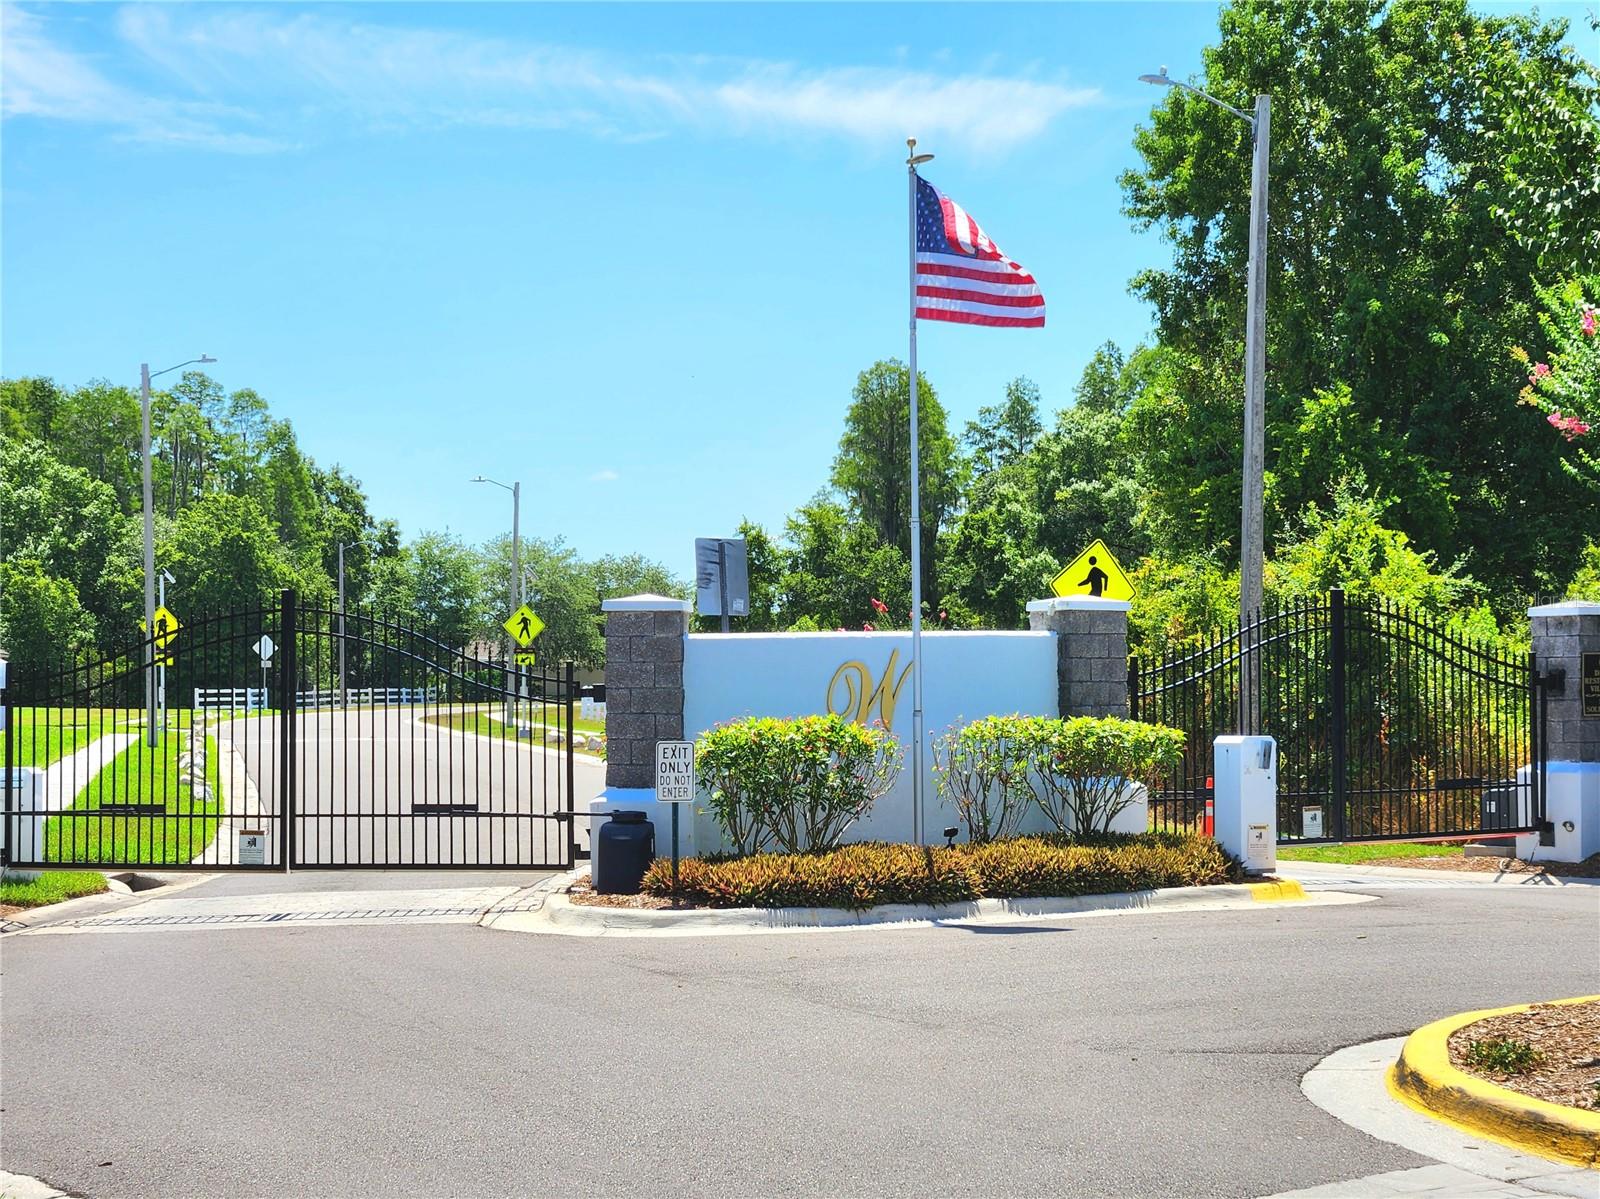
{"points": [[1389, 727], [293, 736]]}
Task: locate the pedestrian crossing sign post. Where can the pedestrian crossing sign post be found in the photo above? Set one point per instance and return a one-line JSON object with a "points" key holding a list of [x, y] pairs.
{"points": [[524, 626], [1094, 572]]}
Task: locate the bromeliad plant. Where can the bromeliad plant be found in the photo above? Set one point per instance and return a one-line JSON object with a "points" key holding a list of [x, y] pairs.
{"points": [[1080, 772], [795, 785]]}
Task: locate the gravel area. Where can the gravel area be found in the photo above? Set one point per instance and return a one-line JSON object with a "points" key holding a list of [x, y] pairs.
{"points": [[1567, 1034]]}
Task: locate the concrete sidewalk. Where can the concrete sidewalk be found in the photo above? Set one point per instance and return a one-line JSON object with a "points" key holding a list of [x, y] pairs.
{"points": [[1322, 874]]}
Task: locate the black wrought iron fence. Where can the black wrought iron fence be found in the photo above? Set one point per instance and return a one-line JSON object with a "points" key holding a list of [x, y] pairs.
{"points": [[1388, 724]]}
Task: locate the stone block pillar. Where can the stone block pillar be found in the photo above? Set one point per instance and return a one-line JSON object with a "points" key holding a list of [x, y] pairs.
{"points": [[644, 683], [1564, 636], [1091, 652]]}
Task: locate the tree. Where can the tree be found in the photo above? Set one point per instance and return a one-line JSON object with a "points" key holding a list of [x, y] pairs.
{"points": [[225, 555], [1004, 433], [1388, 269], [836, 566], [872, 468], [64, 522], [1567, 386], [42, 624]]}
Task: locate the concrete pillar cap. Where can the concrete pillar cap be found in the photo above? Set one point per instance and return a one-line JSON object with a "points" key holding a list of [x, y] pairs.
{"points": [[1566, 608], [1078, 603], [645, 603]]}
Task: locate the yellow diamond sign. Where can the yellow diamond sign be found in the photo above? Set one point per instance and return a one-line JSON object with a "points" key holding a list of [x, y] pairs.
{"points": [[167, 627], [524, 626], [1094, 572]]}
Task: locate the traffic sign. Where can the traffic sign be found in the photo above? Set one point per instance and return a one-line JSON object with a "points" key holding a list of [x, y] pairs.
{"points": [[1094, 572], [524, 626], [674, 771], [264, 647], [167, 627], [525, 659]]}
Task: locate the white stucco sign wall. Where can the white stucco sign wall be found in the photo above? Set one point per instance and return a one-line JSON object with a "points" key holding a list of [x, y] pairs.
{"points": [[865, 676]]}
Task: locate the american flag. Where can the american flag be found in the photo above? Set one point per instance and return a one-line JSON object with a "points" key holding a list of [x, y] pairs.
{"points": [[962, 276]]}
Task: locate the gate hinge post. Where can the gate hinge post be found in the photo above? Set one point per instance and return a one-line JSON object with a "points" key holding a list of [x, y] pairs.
{"points": [[1554, 681]]}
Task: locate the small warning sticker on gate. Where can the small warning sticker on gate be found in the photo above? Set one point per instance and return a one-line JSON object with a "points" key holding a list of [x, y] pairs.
{"points": [[252, 848]]}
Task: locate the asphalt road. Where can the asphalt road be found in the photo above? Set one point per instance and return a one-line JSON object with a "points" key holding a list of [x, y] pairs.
{"points": [[1149, 1055], [365, 776]]}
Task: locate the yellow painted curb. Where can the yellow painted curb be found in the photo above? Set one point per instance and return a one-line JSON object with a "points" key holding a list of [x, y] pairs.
{"points": [[1424, 1079], [1282, 891]]}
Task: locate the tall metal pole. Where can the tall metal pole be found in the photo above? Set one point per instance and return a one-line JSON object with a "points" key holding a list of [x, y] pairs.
{"points": [[342, 686], [152, 733], [916, 518], [1252, 548], [516, 588]]}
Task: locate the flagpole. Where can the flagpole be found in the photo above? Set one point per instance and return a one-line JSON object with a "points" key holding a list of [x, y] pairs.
{"points": [[912, 160]]}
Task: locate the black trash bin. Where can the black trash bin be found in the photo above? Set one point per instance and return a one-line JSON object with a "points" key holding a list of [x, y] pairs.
{"points": [[626, 849]]}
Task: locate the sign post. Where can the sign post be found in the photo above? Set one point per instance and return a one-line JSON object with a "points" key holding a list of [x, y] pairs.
{"points": [[721, 577], [264, 647], [524, 626], [675, 785]]}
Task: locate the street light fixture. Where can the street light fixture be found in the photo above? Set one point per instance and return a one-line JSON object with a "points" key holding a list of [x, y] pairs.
{"points": [[1252, 547], [152, 732]]}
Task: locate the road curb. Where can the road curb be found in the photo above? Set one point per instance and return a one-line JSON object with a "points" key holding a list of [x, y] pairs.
{"points": [[1425, 1079], [560, 915]]}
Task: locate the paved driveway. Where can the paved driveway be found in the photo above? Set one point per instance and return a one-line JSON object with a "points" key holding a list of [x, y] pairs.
{"points": [[1138, 1055]]}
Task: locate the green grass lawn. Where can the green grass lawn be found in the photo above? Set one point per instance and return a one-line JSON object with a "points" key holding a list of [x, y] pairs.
{"points": [[140, 774], [41, 736], [1374, 851], [50, 888], [485, 724]]}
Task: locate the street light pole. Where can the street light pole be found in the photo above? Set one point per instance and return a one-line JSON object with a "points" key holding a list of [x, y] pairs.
{"points": [[151, 731], [1252, 499], [516, 569], [342, 694]]}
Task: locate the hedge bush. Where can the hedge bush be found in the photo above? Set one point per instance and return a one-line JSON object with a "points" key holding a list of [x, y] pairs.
{"points": [[871, 873], [796, 785], [1076, 771]]}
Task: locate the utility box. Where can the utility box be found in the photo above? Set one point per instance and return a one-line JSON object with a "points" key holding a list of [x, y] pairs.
{"points": [[1246, 773]]}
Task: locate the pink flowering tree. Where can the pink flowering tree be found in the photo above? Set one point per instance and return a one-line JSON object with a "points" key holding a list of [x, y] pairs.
{"points": [[1564, 383]]}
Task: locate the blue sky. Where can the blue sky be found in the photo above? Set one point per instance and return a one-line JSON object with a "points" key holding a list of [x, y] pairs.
{"points": [[633, 256]]}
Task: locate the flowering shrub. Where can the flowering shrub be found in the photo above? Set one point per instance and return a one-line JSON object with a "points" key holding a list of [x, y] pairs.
{"points": [[1567, 386], [983, 767], [795, 784], [1079, 772]]}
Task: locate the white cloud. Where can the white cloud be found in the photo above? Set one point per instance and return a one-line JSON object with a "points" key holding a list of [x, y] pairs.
{"points": [[238, 72], [43, 80], [604, 476]]}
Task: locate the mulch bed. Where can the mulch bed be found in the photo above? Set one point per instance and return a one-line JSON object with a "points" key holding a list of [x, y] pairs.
{"points": [[1589, 868], [582, 892], [1567, 1034]]}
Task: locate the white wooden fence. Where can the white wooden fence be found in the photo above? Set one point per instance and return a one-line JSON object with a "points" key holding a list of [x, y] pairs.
{"points": [[230, 699]]}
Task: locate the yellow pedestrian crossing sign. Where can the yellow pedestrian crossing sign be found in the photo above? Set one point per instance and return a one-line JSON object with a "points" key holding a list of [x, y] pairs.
{"points": [[524, 626], [1094, 572], [167, 627]]}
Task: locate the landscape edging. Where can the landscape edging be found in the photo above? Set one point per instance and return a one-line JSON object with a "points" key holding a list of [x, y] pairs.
{"points": [[1425, 1079], [562, 913]]}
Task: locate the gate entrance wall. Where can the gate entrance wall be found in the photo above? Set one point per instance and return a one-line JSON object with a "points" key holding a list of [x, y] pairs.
{"points": [[359, 744]]}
